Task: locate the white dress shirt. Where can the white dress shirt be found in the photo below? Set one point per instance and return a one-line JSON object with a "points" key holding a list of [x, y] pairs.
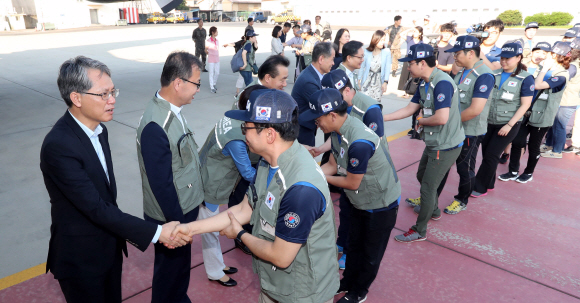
{"points": [[176, 110]]}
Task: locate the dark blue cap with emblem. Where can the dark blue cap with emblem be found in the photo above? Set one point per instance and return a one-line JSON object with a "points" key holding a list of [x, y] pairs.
{"points": [[418, 51], [571, 32], [464, 42], [532, 25], [575, 44], [335, 79], [511, 49], [561, 48], [266, 106], [321, 103], [545, 46], [251, 33]]}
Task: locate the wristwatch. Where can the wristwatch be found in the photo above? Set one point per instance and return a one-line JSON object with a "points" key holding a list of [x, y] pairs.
{"points": [[239, 236]]}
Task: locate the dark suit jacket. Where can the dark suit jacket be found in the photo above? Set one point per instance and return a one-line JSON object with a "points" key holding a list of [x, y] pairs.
{"points": [[88, 229], [307, 84]]}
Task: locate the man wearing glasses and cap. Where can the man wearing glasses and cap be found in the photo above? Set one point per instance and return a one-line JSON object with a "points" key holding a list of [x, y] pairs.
{"points": [[170, 170], [289, 206]]}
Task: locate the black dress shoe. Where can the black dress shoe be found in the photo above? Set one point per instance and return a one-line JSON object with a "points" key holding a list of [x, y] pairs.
{"points": [[205, 70], [229, 283], [242, 247], [230, 271]]}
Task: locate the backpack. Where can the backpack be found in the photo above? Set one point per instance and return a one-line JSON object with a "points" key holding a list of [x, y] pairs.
{"points": [[411, 85], [237, 61]]}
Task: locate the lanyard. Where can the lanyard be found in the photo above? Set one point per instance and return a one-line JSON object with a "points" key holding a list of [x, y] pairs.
{"points": [[463, 77]]}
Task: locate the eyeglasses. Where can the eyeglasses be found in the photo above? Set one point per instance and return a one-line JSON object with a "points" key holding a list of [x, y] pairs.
{"points": [[106, 96], [245, 128], [360, 57], [198, 84]]}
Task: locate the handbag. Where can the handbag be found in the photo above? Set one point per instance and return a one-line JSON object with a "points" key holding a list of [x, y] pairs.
{"points": [[255, 69], [411, 85]]}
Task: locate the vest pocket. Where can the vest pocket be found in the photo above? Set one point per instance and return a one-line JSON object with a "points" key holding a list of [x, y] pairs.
{"points": [[538, 111], [186, 184], [504, 111], [431, 135]]}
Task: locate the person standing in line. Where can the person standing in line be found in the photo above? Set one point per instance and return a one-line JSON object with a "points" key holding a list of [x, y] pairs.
{"points": [[375, 67], [213, 52], [240, 82], [250, 26], [249, 56], [170, 173], [413, 36], [442, 132], [352, 59], [572, 95], [342, 37], [285, 30], [295, 42], [510, 101], [539, 118], [395, 42], [528, 40], [198, 36], [445, 59], [488, 47], [428, 26], [323, 29], [307, 46], [277, 47]]}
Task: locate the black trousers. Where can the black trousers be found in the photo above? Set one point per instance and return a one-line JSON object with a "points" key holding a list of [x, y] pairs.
{"points": [[200, 53], [238, 196], [536, 136], [344, 218], [491, 148], [106, 288], [465, 165], [172, 269], [368, 239], [307, 136]]}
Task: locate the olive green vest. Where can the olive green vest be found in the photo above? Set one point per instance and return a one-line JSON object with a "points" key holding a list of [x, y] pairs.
{"points": [[380, 184], [450, 134], [313, 275], [308, 56], [251, 59], [478, 125], [546, 106], [353, 80], [218, 171], [505, 100], [184, 160], [360, 105], [571, 95]]}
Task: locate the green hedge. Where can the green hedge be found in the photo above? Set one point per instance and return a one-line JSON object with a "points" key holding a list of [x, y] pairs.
{"points": [[511, 17], [555, 18]]}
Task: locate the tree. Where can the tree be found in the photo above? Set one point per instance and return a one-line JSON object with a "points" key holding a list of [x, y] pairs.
{"points": [[543, 19], [183, 6], [511, 17], [555, 18]]}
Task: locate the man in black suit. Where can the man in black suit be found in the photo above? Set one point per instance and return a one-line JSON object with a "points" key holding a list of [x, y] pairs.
{"points": [[308, 83], [88, 230]]}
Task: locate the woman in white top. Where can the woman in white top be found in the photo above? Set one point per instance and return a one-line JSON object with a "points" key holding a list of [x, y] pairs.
{"points": [[277, 47]]}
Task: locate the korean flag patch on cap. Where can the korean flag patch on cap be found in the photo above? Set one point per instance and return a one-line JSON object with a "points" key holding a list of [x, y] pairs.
{"points": [[263, 113], [468, 44], [420, 54], [339, 84], [326, 107]]}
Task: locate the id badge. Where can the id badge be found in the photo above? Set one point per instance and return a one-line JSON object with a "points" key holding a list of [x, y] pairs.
{"points": [[507, 96], [341, 170], [428, 112], [543, 96], [267, 227]]}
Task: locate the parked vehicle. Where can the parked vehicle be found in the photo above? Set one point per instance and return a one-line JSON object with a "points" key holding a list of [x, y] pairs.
{"points": [[259, 17], [226, 18], [191, 17], [174, 17], [156, 18], [286, 16]]}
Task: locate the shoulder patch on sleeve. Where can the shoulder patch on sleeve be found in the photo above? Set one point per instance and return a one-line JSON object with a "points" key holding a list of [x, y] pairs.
{"points": [[483, 88]]}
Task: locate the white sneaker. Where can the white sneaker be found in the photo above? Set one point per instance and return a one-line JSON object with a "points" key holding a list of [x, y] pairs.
{"points": [[551, 154], [544, 148]]}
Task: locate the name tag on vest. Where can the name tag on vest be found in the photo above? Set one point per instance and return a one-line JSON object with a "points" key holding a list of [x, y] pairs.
{"points": [[507, 96], [341, 170], [428, 112], [267, 227], [543, 96]]}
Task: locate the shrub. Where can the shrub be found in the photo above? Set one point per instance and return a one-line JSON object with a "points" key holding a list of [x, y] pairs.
{"points": [[555, 18], [511, 17], [541, 18]]}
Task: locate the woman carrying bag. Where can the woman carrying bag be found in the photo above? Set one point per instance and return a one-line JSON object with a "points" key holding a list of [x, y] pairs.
{"points": [[376, 67], [249, 57], [512, 97]]}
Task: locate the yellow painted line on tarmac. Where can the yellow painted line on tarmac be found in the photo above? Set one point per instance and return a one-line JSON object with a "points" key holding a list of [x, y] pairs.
{"points": [[397, 136], [22, 276]]}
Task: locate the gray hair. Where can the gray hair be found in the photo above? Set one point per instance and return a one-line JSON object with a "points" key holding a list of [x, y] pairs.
{"points": [[323, 49], [73, 76], [179, 64]]}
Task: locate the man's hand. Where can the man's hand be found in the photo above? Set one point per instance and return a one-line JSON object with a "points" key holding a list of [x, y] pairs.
{"points": [[181, 232], [233, 229], [167, 239]]}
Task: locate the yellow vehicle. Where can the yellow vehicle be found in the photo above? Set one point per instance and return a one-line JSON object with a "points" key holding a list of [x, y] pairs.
{"points": [[156, 18], [286, 16], [174, 18]]}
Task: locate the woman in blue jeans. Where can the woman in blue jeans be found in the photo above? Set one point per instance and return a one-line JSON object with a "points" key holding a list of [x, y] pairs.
{"points": [[249, 56]]}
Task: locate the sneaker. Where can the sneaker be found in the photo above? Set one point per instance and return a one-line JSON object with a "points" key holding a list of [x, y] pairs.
{"points": [[417, 210], [578, 153], [340, 249], [342, 262], [410, 236], [569, 136], [571, 149], [341, 289], [504, 158], [544, 148], [213, 90], [410, 133], [509, 176], [413, 202], [204, 70], [477, 194], [350, 297], [524, 178], [551, 154], [455, 208]]}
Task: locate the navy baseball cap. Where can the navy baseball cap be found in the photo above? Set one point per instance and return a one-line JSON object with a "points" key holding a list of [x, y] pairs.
{"points": [[511, 49], [266, 106], [304, 29], [575, 44], [251, 33], [532, 25], [571, 32], [321, 103], [335, 79], [561, 48], [464, 42], [418, 51], [577, 25], [545, 46]]}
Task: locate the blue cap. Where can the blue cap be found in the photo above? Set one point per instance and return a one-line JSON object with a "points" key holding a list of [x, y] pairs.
{"points": [[577, 25], [532, 25], [575, 44], [321, 103], [561, 48], [511, 49], [335, 79], [571, 32], [418, 51], [304, 29], [251, 33], [545, 46], [464, 42], [266, 106]]}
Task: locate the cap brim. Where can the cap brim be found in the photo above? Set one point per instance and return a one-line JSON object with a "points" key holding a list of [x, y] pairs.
{"points": [[242, 115], [308, 116], [506, 56], [454, 49], [406, 59], [299, 32]]}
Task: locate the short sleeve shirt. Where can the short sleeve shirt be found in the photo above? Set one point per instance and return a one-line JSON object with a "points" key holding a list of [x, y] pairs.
{"points": [[443, 93], [300, 207], [359, 154], [445, 58]]}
